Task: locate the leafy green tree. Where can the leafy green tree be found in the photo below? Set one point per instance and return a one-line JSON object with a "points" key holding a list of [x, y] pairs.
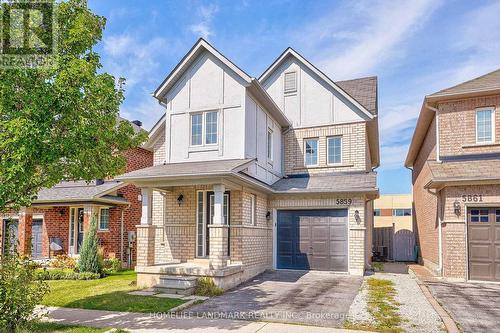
{"points": [[89, 260], [61, 122], [20, 289]]}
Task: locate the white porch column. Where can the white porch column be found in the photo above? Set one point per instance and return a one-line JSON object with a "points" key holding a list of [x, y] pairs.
{"points": [[147, 206], [218, 231]]}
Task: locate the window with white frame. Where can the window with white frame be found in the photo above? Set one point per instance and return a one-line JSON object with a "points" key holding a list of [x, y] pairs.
{"points": [[204, 127], [253, 219], [311, 152], [334, 150], [104, 219], [485, 125], [269, 144], [290, 82]]}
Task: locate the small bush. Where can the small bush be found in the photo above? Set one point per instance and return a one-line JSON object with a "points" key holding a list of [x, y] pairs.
{"points": [[56, 274], [90, 261], [63, 261], [113, 265], [20, 291], [207, 287]]}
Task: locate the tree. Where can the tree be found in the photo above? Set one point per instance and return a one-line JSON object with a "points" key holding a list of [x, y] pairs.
{"points": [[20, 291], [61, 122], [89, 260]]}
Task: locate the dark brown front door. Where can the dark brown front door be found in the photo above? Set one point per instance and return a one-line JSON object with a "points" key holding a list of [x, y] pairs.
{"points": [[484, 243], [312, 239]]}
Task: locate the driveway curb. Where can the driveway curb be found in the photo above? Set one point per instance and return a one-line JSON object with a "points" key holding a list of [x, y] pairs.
{"points": [[450, 324]]}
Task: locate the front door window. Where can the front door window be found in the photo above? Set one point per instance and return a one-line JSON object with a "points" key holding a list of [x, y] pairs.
{"points": [[204, 217]]}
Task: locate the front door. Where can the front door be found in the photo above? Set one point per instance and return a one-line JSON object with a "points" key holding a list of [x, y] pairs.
{"points": [[484, 243], [75, 230], [204, 217], [36, 238]]}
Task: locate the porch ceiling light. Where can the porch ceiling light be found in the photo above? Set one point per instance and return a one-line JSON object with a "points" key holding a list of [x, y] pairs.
{"points": [[180, 199]]}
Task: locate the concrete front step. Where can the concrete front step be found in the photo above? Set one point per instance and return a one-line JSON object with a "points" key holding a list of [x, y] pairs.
{"points": [[177, 284]]}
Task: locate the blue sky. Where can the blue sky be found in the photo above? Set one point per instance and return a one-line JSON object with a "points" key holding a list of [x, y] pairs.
{"points": [[414, 47]]}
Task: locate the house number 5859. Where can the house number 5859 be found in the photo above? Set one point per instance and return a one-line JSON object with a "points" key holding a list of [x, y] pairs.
{"points": [[472, 197]]}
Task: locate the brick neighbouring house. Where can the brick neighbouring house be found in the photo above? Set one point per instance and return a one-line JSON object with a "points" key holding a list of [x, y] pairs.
{"points": [[70, 205], [455, 157], [254, 174]]}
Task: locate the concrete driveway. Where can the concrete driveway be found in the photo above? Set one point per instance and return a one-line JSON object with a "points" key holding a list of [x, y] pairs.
{"points": [[316, 298], [475, 307]]}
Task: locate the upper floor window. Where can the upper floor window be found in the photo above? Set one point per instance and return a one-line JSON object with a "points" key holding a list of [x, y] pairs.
{"points": [[104, 219], [311, 151], [269, 144], [401, 212], [335, 150], [290, 82], [484, 125], [204, 128], [376, 212]]}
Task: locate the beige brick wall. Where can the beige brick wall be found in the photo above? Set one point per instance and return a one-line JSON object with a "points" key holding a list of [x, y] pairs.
{"points": [[457, 126], [159, 150], [354, 148], [425, 210]]}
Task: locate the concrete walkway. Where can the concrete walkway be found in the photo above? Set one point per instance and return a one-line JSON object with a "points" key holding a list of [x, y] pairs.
{"points": [[166, 322]]}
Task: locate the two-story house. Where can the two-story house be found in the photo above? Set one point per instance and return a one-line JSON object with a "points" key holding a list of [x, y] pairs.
{"points": [[254, 174], [455, 157], [58, 218]]}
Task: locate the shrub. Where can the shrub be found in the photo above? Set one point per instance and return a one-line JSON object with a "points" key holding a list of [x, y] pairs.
{"points": [[57, 274], [89, 254], [113, 265], [207, 287], [20, 291], [63, 261]]}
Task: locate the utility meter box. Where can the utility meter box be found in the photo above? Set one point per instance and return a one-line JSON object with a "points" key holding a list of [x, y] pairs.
{"points": [[131, 237]]}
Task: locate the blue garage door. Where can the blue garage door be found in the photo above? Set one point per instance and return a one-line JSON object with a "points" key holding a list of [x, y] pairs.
{"points": [[312, 239]]}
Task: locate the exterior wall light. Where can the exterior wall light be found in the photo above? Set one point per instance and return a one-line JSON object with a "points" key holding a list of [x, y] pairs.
{"points": [[357, 217], [457, 208], [180, 199], [268, 216]]}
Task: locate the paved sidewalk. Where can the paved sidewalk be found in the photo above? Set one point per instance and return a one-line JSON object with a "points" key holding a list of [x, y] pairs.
{"points": [[141, 322]]}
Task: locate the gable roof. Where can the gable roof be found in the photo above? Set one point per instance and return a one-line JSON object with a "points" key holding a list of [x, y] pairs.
{"points": [[81, 191], [480, 86], [251, 83], [289, 52], [364, 90]]}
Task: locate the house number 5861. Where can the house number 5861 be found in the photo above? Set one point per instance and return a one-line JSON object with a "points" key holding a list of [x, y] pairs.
{"points": [[472, 197]]}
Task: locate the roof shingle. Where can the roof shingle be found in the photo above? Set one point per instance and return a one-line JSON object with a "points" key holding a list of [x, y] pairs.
{"points": [[77, 191], [332, 182], [484, 82], [364, 90]]}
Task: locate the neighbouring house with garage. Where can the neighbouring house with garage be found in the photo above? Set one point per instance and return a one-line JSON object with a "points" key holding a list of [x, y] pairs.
{"points": [[455, 157], [59, 217], [254, 174]]}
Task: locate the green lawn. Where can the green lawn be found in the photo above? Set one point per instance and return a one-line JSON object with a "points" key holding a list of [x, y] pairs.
{"points": [[109, 293], [42, 327]]}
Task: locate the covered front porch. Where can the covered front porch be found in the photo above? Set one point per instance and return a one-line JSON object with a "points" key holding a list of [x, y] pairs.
{"points": [[213, 227]]}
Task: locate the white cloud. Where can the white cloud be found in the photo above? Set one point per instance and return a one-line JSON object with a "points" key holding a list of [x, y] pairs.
{"points": [[358, 37], [204, 27], [147, 110], [133, 58]]}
